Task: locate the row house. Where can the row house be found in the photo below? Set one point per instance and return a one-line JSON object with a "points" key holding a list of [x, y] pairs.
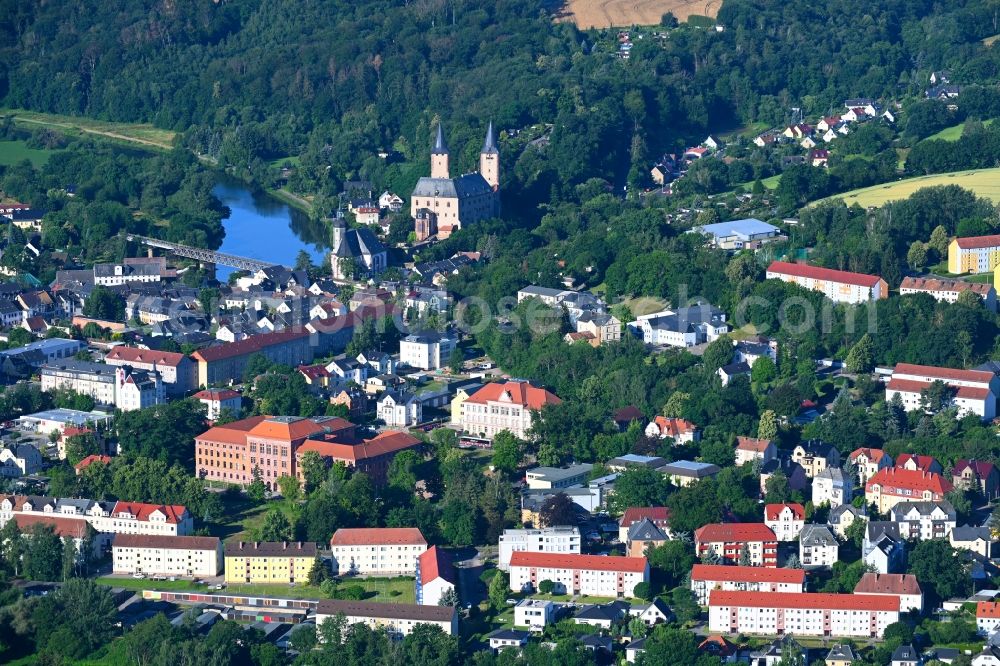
{"points": [[832, 487], [785, 520], [749, 449], [801, 614], [558, 539], [893, 485], [398, 620], [595, 575], [376, 551], [730, 542], [162, 555], [838, 286], [973, 391], [868, 462], [903, 587], [924, 520], [504, 406], [708, 577], [269, 562], [947, 291]]}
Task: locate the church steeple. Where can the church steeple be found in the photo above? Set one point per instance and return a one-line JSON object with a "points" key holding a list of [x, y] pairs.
{"points": [[489, 159], [439, 156], [490, 144]]}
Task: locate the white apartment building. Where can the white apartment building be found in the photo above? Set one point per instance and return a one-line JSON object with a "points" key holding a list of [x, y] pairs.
{"points": [[785, 520], [838, 286], [166, 555], [596, 575], [818, 547], [504, 406], [975, 390], [708, 577], [176, 370], [903, 587], [947, 291], [833, 487], [377, 551], [536, 614], [217, 401], [924, 520], [121, 386], [427, 351], [399, 620], [561, 539], [801, 614], [683, 327]]}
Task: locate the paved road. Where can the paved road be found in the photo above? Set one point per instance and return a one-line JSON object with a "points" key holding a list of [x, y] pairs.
{"points": [[471, 589]]}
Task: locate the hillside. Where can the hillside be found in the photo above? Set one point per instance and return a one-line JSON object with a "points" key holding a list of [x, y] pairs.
{"points": [[983, 182]]}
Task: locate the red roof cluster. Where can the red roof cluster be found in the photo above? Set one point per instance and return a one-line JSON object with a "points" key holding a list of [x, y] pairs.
{"points": [[887, 583], [806, 600], [378, 536], [874, 455], [773, 511], [136, 355], [738, 574], [828, 274], [174, 513], [733, 533], [582, 562], [978, 242], [925, 463], [940, 284], [893, 478], [89, 460], [520, 393]]}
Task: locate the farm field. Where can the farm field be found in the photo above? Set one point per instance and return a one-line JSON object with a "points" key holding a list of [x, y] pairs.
{"points": [[623, 13], [12, 152], [984, 182], [954, 133], [141, 134]]}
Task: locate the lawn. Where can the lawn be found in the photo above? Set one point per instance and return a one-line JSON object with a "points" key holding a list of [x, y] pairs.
{"points": [[12, 152], [241, 516], [142, 134], [991, 40], [398, 590], [954, 133], [146, 584], [644, 305], [984, 182]]}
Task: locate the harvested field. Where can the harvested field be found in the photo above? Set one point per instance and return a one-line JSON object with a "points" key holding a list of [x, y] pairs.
{"points": [[624, 13]]}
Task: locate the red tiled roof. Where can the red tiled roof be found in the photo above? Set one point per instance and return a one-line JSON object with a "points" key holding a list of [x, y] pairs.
{"points": [[912, 479], [64, 526], [521, 393], [314, 371], [251, 345], [940, 284], [583, 562], [630, 413], [73, 431], [136, 355], [828, 274], [809, 600], [287, 431], [989, 609], [231, 433], [887, 583], [733, 532], [911, 386], [978, 242], [773, 511], [943, 374], [752, 444], [174, 512], [165, 541], [376, 536], [673, 427], [86, 462], [217, 394], [921, 462], [980, 468], [873, 455], [717, 645], [385, 443], [737, 574], [435, 563], [633, 514]]}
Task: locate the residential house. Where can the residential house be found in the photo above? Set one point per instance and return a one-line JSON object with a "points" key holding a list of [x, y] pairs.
{"points": [[730, 371], [843, 516], [978, 475], [658, 515], [603, 616], [883, 548], [20, 460], [426, 351], [794, 472], [914, 462], [643, 536], [973, 391], [987, 617], [838, 286], [501, 639], [815, 456], [841, 655], [681, 431], [504, 406], [381, 551], [685, 472], [738, 543], [924, 520], [652, 613], [905, 587], [219, 401], [749, 449], [905, 655], [269, 562], [832, 487], [893, 485], [818, 547], [176, 370], [435, 577], [600, 326], [819, 157], [785, 520], [979, 540], [868, 462], [398, 620], [535, 614], [399, 409], [163, 555], [718, 646], [708, 577]]}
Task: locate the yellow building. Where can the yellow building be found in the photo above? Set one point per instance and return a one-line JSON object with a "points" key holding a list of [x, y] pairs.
{"points": [[263, 562], [974, 254], [461, 395]]}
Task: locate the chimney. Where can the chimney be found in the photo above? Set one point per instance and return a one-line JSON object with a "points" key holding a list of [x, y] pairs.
{"points": [[284, 545]]}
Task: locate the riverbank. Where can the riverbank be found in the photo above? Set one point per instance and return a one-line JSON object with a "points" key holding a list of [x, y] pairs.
{"points": [[293, 200]]}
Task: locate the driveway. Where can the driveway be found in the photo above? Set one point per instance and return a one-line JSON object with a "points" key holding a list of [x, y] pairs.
{"points": [[469, 566]]}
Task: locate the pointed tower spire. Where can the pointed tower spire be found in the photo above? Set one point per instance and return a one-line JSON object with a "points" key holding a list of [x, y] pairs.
{"points": [[490, 144], [439, 146]]}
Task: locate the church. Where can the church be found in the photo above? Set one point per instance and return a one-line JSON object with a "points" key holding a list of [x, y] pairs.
{"points": [[356, 253], [441, 205]]}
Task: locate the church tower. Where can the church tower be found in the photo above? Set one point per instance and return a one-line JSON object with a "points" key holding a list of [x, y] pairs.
{"points": [[489, 159], [336, 242], [439, 157]]}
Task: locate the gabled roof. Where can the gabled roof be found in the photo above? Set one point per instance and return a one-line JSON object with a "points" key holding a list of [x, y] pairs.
{"points": [[752, 444], [86, 462], [978, 242], [378, 536], [520, 393], [817, 535], [248, 346], [887, 583], [270, 548], [827, 274], [890, 478], [924, 463], [773, 511], [434, 563], [645, 530], [944, 374], [733, 532], [165, 541], [673, 427], [572, 561], [874, 455], [633, 514], [75, 528], [990, 609], [173, 513], [941, 285], [980, 468], [136, 355], [742, 574]]}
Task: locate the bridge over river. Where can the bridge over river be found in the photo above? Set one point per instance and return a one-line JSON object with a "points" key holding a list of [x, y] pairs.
{"points": [[200, 254]]}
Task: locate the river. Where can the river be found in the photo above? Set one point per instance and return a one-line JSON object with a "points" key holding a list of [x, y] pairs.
{"points": [[262, 227]]}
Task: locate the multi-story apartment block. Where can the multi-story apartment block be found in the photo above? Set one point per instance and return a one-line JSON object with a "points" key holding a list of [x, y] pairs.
{"points": [[708, 577], [166, 555], [601, 576], [125, 388], [561, 539], [947, 291], [973, 391], [269, 562], [226, 362], [230, 452], [730, 542], [973, 254], [176, 370], [749, 449], [504, 406], [785, 520], [904, 587], [818, 547], [924, 520], [377, 551], [893, 485], [426, 351], [399, 620], [801, 614], [658, 515], [832, 487], [868, 462], [838, 286]]}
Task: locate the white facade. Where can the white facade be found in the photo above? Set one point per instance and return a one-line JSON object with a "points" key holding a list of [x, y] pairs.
{"points": [[947, 291], [838, 286], [561, 539], [385, 554], [924, 520], [833, 487], [398, 620], [818, 547], [399, 410], [975, 390], [684, 327], [786, 522], [108, 385], [217, 402], [595, 575], [424, 352], [772, 614], [708, 577], [536, 614], [168, 556]]}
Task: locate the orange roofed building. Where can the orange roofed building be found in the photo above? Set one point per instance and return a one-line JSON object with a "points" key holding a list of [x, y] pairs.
{"points": [[728, 541], [893, 485], [838, 286], [708, 577], [504, 406], [371, 456], [377, 551], [597, 575]]}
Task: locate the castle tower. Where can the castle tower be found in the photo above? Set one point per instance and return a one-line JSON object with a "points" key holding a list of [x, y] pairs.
{"points": [[489, 159], [439, 156], [339, 229]]}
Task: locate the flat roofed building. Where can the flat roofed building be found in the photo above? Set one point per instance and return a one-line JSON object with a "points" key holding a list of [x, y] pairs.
{"points": [[377, 551], [736, 234], [399, 620], [166, 555], [550, 478], [267, 562], [685, 472], [708, 577]]}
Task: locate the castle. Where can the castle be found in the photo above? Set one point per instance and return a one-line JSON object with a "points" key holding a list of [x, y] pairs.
{"points": [[441, 205]]}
